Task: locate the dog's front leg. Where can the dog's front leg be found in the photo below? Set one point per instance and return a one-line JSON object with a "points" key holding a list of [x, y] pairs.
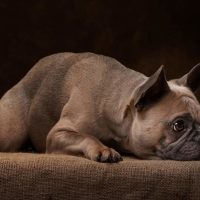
{"points": [[67, 141]]}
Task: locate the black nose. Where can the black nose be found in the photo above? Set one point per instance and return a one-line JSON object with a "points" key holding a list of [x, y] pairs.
{"points": [[196, 138]]}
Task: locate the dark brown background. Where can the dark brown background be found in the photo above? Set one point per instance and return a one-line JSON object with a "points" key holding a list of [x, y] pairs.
{"points": [[141, 34]]}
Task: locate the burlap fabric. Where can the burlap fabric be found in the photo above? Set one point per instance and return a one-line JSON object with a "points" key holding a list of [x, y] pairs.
{"points": [[56, 177]]}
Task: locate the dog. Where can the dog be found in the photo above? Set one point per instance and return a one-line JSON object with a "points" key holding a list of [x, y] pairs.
{"points": [[87, 104]]}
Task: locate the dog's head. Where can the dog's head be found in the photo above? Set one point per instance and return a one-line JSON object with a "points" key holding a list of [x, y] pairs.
{"points": [[166, 121]]}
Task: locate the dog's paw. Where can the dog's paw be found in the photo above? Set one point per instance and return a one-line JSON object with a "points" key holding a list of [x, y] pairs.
{"points": [[105, 154]]}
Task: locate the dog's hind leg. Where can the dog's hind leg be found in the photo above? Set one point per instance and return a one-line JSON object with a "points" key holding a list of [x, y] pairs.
{"points": [[13, 116]]}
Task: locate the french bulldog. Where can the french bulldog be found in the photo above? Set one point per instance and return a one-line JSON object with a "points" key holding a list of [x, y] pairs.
{"points": [[82, 103]]}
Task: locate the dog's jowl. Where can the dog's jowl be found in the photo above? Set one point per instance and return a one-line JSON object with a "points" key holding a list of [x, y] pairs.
{"points": [[77, 103]]}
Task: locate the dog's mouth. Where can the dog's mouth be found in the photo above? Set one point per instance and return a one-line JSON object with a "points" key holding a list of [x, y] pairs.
{"points": [[185, 148]]}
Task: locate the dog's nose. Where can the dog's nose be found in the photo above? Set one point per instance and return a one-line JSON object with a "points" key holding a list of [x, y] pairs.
{"points": [[197, 127], [196, 138]]}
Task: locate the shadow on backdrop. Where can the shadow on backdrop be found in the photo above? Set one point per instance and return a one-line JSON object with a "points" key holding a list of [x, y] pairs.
{"points": [[140, 34]]}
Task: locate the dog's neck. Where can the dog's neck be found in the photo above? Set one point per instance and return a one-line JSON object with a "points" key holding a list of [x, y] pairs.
{"points": [[114, 106]]}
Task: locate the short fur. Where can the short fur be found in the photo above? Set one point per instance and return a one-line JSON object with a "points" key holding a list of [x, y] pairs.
{"points": [[76, 103]]}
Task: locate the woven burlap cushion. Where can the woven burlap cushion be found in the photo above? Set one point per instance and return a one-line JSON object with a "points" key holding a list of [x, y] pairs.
{"points": [[39, 176]]}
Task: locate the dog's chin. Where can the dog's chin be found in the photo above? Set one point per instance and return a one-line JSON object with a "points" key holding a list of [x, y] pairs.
{"points": [[189, 151], [152, 157]]}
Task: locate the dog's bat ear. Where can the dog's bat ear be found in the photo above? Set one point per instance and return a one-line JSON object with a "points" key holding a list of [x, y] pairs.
{"points": [[191, 79], [151, 90]]}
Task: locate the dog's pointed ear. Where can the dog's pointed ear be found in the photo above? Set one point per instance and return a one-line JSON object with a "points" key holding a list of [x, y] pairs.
{"points": [[151, 90], [191, 79]]}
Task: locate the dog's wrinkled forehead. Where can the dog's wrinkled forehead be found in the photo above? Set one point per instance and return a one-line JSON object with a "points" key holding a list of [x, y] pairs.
{"points": [[194, 109], [187, 99]]}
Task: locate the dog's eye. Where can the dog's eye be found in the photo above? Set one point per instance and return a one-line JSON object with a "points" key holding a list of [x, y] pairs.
{"points": [[179, 125]]}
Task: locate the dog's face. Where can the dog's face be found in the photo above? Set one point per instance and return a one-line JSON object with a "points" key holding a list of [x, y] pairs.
{"points": [[167, 118]]}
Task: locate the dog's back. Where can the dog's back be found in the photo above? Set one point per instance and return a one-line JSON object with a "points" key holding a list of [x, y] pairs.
{"points": [[33, 106]]}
